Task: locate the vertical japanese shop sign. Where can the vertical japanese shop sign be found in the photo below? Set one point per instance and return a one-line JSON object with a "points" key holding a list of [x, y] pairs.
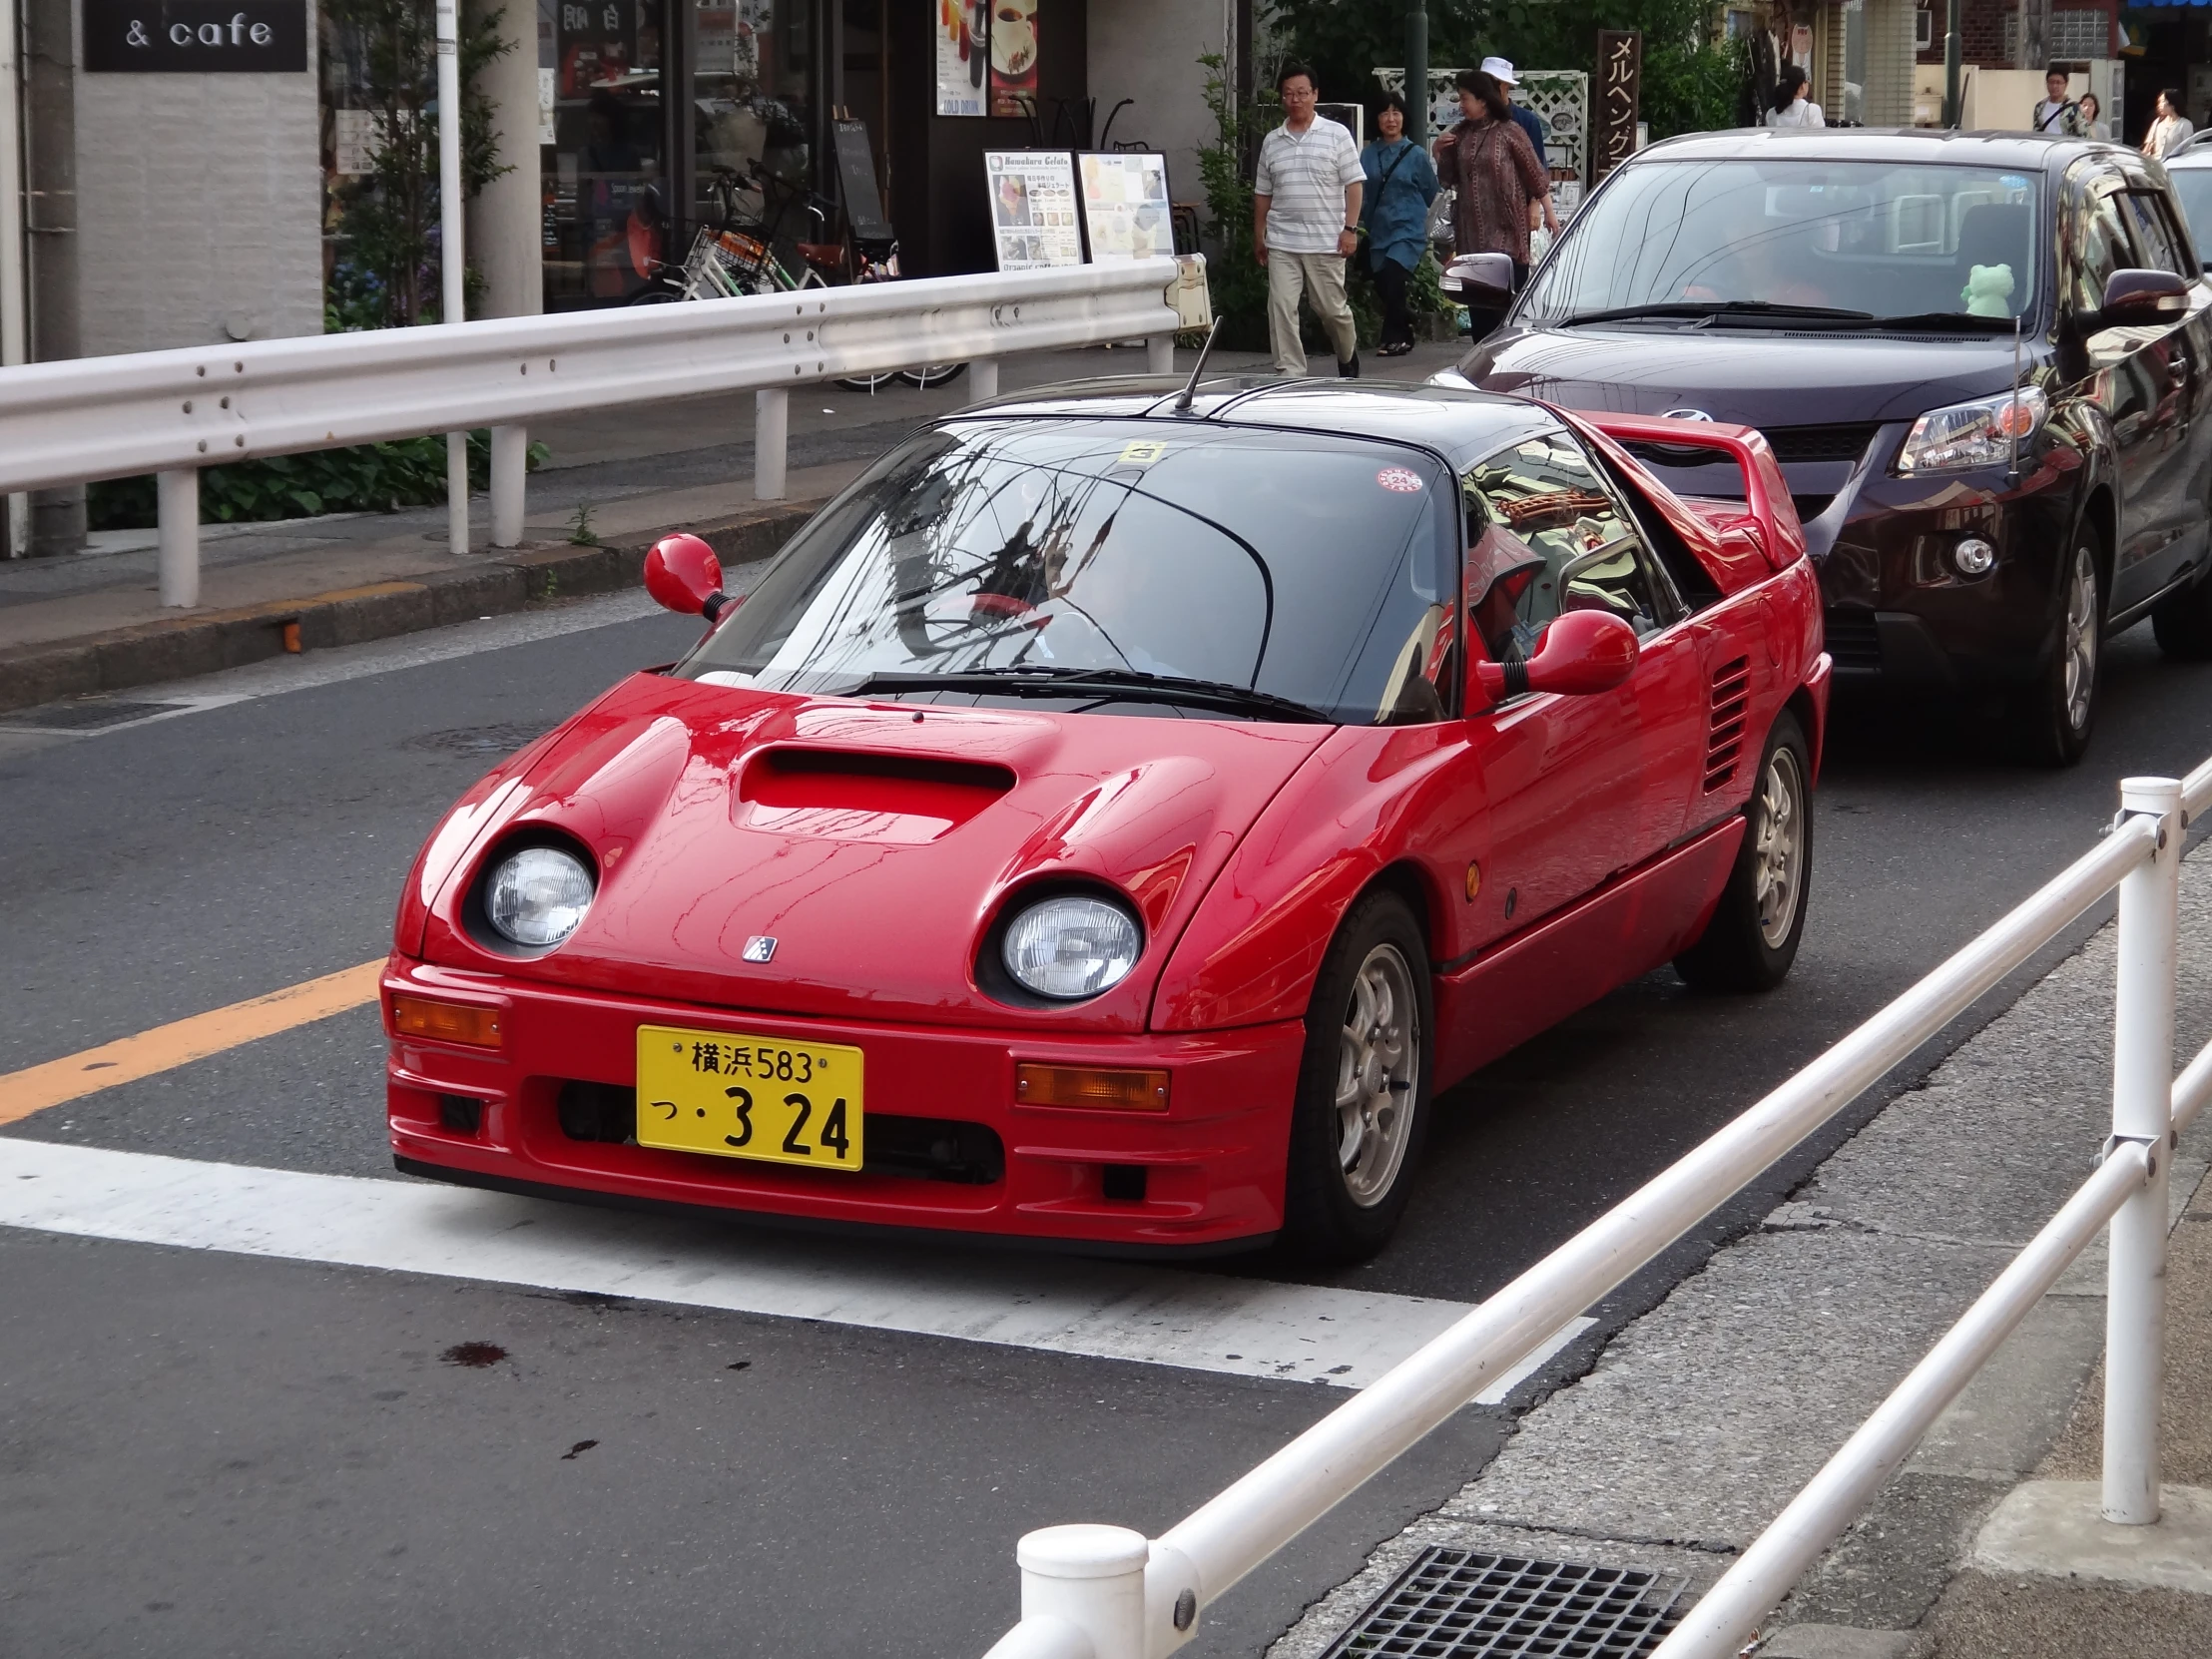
{"points": [[963, 55], [1014, 57], [1620, 74]]}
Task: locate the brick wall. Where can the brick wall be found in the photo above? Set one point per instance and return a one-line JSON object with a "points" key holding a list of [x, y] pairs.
{"points": [[1889, 94], [198, 208], [1987, 30]]}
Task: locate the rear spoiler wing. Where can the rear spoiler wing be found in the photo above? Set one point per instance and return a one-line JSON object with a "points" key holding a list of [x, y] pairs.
{"points": [[1769, 516]]}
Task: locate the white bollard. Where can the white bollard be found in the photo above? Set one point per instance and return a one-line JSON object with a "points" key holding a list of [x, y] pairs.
{"points": [[456, 491], [176, 511], [2142, 1096], [1159, 355], [510, 468], [983, 379], [772, 425], [1092, 1577]]}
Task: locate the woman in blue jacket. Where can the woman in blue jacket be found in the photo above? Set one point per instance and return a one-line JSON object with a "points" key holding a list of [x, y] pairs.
{"points": [[1401, 184]]}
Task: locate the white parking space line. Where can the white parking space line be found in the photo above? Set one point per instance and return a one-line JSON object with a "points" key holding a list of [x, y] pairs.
{"points": [[1110, 1311]]}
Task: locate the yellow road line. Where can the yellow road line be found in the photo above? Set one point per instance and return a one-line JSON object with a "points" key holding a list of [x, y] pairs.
{"points": [[127, 1059]]}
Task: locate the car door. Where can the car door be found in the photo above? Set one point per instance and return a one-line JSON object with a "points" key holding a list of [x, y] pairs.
{"points": [[2175, 345], [1580, 787]]}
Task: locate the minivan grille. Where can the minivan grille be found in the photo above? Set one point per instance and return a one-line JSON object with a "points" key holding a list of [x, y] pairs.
{"points": [[1724, 744], [1852, 639], [1821, 444]]}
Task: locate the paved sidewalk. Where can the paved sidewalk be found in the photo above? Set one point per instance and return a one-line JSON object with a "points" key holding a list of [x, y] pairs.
{"points": [[94, 622], [1696, 1424]]}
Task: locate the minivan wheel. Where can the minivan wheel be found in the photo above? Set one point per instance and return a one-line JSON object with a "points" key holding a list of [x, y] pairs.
{"points": [[1751, 939], [1362, 1108], [2057, 716]]}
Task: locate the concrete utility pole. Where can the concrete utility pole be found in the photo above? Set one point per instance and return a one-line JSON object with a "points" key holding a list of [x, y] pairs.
{"points": [[1952, 53], [1416, 72], [508, 235], [15, 512], [452, 260]]}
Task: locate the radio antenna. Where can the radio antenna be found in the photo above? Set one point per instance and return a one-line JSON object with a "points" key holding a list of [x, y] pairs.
{"points": [[1190, 387], [2012, 404]]}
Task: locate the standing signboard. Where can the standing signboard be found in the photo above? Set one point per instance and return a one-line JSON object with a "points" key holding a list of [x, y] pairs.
{"points": [[963, 55], [1034, 219], [1126, 211], [1620, 74]]}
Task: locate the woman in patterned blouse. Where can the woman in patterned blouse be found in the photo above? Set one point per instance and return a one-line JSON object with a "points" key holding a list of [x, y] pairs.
{"points": [[1492, 168]]}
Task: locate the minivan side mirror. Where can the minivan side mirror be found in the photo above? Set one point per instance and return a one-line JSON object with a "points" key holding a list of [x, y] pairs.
{"points": [[2142, 296], [1480, 279], [1579, 653], [683, 575]]}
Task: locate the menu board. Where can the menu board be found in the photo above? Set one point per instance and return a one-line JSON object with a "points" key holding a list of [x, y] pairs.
{"points": [[1125, 207], [1014, 57], [963, 55], [1033, 219]]}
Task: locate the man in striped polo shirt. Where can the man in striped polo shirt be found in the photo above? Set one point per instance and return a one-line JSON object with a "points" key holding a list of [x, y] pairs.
{"points": [[1305, 218]]}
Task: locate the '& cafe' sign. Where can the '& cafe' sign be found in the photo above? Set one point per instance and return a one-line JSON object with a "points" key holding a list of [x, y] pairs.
{"points": [[196, 37]]}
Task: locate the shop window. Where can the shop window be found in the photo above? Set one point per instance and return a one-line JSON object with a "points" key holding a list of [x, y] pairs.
{"points": [[604, 170]]}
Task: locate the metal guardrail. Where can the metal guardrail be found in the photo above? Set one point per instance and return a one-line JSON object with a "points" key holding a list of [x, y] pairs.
{"points": [[173, 413], [1107, 1592]]}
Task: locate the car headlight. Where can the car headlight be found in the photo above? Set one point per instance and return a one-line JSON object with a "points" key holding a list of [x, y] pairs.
{"points": [[1984, 432], [537, 896], [1072, 946]]}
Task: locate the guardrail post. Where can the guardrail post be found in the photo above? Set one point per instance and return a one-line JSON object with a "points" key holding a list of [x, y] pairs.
{"points": [[2142, 1106], [177, 512], [772, 425], [510, 468], [456, 491], [1093, 1578], [1159, 355], [983, 379]]}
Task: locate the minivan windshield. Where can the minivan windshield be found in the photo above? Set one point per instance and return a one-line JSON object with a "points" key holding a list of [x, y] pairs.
{"points": [[1788, 242], [1149, 566], [2192, 188]]}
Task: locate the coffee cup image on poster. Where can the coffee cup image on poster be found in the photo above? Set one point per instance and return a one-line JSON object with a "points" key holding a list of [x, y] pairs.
{"points": [[1014, 46], [1126, 211]]}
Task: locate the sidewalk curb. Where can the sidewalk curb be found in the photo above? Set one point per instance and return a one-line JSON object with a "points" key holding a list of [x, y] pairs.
{"points": [[204, 642]]}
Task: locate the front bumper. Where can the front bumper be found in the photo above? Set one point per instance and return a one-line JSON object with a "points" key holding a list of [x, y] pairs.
{"points": [[1899, 613], [1210, 1169]]}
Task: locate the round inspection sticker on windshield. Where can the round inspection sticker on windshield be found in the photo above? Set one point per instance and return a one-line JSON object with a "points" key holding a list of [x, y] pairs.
{"points": [[1402, 479]]}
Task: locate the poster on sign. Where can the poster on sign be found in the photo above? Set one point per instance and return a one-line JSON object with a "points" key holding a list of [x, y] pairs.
{"points": [[1033, 217], [1125, 207], [1014, 57], [963, 55]]}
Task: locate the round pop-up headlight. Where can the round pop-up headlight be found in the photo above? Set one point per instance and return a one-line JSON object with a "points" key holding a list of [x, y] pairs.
{"points": [[537, 896], [1072, 946]]}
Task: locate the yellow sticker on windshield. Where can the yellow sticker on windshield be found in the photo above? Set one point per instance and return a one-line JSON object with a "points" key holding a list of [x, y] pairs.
{"points": [[1143, 452]]}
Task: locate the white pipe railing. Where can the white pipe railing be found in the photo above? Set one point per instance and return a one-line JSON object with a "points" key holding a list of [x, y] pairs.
{"points": [[1086, 1580], [174, 412]]}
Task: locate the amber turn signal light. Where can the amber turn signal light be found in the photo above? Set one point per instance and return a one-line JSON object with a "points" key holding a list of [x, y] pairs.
{"points": [[1097, 1087], [445, 1022]]}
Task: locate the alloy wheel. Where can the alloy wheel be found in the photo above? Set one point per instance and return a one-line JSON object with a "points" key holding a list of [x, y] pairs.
{"points": [[1779, 850], [2079, 641], [1377, 1070]]}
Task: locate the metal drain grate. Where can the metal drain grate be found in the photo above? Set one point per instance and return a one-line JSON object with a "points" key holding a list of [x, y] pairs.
{"points": [[1459, 1604], [89, 716]]}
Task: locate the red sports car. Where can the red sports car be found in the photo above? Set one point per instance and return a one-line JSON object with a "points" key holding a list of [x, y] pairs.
{"points": [[1113, 817]]}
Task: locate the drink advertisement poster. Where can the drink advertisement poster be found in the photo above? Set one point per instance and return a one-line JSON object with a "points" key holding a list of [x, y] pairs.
{"points": [[1033, 217], [1125, 207], [963, 55], [1014, 57]]}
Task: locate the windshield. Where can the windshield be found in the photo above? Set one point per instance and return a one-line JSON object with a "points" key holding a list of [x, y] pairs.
{"points": [[1867, 238], [2192, 187], [1301, 566]]}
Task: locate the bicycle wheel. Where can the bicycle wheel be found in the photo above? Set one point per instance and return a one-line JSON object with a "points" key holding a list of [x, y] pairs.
{"points": [[653, 297], [867, 382], [932, 374]]}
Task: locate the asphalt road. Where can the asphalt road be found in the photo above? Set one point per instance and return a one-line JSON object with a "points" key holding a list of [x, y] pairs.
{"points": [[206, 1454]]}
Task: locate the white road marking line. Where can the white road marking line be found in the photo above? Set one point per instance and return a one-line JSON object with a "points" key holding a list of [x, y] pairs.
{"points": [[1165, 1317]]}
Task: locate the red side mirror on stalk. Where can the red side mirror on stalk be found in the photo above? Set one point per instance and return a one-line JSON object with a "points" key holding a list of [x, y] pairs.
{"points": [[1580, 653], [683, 575]]}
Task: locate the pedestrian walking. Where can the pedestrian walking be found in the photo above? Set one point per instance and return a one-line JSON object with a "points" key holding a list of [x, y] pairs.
{"points": [[1400, 183], [1494, 176], [2170, 132], [2093, 119], [2055, 111], [1792, 105], [1500, 70], [1304, 223]]}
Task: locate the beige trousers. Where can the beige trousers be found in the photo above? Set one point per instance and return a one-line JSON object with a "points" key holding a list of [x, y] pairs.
{"points": [[1321, 278]]}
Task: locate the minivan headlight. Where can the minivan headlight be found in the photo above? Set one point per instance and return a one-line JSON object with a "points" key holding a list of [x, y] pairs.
{"points": [[1984, 432], [1072, 946], [538, 896]]}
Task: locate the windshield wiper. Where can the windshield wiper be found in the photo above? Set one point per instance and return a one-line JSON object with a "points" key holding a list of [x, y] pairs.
{"points": [[1951, 323], [1705, 310], [1043, 679]]}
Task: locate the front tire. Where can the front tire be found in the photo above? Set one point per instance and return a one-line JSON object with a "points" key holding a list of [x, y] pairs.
{"points": [[2057, 716], [1362, 1108], [1751, 939]]}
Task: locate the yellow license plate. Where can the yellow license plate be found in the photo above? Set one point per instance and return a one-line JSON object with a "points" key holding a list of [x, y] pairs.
{"points": [[740, 1096]]}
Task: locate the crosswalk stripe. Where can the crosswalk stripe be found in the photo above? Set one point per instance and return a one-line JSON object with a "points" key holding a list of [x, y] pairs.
{"points": [[1109, 1311]]}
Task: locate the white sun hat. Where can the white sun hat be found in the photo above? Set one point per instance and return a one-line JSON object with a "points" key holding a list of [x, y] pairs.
{"points": [[1501, 69]]}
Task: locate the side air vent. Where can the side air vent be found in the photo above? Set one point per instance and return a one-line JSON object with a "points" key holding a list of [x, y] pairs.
{"points": [[1724, 746]]}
